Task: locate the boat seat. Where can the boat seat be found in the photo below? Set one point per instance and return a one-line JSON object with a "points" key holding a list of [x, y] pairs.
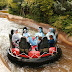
{"points": [[44, 48], [24, 46], [10, 38]]}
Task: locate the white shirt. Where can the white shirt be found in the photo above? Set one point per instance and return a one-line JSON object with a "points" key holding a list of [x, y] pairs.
{"points": [[16, 37]]}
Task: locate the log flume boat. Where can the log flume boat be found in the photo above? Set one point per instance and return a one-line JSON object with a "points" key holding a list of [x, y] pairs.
{"points": [[33, 58]]}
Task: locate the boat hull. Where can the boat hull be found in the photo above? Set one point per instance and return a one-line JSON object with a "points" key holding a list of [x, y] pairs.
{"points": [[35, 62]]}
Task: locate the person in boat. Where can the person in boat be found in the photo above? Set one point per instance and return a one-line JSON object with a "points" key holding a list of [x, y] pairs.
{"points": [[16, 37], [25, 33], [43, 46], [51, 32], [39, 34], [27, 36], [24, 46], [51, 41]]}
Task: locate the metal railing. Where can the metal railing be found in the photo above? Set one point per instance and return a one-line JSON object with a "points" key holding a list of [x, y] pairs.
{"points": [[18, 56]]}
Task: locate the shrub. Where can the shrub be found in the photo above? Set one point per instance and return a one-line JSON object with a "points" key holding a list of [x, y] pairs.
{"points": [[2, 5], [64, 23]]}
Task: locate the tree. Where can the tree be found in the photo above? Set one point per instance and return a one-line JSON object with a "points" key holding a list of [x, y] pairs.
{"points": [[46, 7], [15, 6], [3, 4]]}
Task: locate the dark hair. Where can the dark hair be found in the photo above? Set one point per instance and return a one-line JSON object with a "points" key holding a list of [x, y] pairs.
{"points": [[12, 32], [25, 28], [51, 36], [41, 28]]}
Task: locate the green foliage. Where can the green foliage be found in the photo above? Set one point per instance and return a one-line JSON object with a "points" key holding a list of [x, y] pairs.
{"points": [[41, 10], [3, 4], [60, 7], [64, 23], [25, 8], [14, 8], [55, 12], [69, 29], [46, 8], [69, 0], [18, 7], [36, 13]]}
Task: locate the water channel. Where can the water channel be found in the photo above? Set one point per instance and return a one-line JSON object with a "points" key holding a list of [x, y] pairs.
{"points": [[64, 64]]}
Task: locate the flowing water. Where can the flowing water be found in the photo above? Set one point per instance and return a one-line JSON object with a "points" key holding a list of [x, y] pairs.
{"points": [[64, 64]]}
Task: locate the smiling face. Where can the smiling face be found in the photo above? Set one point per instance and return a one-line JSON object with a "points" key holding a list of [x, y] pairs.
{"points": [[49, 30], [25, 31], [39, 30], [16, 31]]}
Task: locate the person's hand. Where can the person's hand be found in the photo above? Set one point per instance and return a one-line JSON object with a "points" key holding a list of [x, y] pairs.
{"points": [[28, 36], [24, 36]]}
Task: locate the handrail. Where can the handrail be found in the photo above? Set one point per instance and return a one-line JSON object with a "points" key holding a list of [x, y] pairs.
{"points": [[32, 55]]}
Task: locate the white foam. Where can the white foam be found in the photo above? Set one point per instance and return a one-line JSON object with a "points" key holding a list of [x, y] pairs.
{"points": [[5, 27]]}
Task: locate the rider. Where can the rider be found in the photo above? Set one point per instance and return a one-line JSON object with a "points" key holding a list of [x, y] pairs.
{"points": [[27, 36], [51, 41], [16, 37], [39, 34], [50, 32], [25, 33]]}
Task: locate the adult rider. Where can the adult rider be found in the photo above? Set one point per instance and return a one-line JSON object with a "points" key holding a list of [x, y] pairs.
{"points": [[16, 37], [27, 36], [38, 34]]}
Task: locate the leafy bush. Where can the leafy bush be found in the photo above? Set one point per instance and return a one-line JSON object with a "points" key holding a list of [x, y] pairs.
{"points": [[14, 9], [18, 7], [36, 13], [62, 7], [46, 8], [64, 23], [2, 5], [69, 29], [58, 8], [55, 12]]}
